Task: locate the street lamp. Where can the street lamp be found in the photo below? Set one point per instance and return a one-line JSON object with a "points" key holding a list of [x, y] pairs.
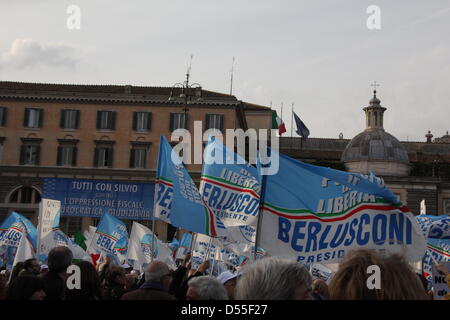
{"points": [[187, 92]]}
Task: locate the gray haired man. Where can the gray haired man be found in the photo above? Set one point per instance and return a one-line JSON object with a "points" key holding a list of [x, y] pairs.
{"points": [[206, 288], [274, 279]]}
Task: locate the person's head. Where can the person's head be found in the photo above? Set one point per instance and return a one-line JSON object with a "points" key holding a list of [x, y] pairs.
{"points": [[274, 279], [158, 271], [206, 288], [89, 285], [115, 276], [228, 279], [397, 280], [59, 259], [26, 287], [320, 288], [18, 267], [32, 266]]}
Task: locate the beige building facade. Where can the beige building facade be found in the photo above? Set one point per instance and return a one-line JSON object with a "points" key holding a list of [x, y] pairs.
{"points": [[102, 133]]}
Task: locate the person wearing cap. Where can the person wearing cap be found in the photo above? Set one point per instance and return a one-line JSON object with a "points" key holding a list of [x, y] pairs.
{"points": [[228, 279]]}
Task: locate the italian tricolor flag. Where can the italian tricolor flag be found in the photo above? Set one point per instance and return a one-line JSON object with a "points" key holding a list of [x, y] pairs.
{"points": [[277, 123]]}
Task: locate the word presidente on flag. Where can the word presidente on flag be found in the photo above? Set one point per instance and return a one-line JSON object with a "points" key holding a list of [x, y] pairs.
{"points": [[178, 201], [317, 214], [231, 190]]}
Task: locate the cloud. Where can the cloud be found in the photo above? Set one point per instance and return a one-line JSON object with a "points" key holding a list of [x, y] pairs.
{"points": [[27, 53]]}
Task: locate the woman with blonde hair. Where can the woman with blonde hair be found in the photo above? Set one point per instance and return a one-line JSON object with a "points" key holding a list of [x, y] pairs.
{"points": [[397, 281]]}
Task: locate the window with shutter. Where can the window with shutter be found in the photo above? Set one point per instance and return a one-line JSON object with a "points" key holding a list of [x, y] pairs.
{"points": [[69, 119], [33, 118], [178, 121], [3, 111]]}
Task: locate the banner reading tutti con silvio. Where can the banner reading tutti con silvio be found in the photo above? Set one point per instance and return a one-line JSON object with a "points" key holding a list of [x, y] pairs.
{"points": [[92, 198]]}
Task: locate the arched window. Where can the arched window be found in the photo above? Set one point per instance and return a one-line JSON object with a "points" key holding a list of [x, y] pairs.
{"points": [[25, 194]]}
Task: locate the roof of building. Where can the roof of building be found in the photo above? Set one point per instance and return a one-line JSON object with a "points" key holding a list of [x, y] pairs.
{"points": [[118, 94], [375, 145]]}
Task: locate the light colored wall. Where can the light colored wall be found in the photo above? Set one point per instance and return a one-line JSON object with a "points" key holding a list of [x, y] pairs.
{"points": [[87, 131]]}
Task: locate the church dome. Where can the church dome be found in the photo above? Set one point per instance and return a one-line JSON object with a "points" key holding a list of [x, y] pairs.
{"points": [[374, 149], [375, 144]]}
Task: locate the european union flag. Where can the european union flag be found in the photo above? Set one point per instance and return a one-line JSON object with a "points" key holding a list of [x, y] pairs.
{"points": [[302, 130]]}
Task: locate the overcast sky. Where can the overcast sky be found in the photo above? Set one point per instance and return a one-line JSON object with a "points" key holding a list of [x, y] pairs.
{"points": [[317, 54]]}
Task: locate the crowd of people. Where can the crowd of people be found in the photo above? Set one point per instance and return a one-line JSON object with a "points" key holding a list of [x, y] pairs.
{"points": [[269, 278]]}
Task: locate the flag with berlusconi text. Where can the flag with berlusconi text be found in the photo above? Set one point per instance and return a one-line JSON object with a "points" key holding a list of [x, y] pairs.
{"points": [[110, 239], [231, 188], [13, 226], [178, 201], [314, 214]]}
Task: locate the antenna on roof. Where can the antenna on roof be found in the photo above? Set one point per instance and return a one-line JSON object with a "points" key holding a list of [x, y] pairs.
{"points": [[231, 79], [188, 72]]}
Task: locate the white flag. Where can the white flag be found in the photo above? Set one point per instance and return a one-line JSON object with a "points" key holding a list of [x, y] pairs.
{"points": [[49, 213], [24, 251], [140, 248], [89, 235]]}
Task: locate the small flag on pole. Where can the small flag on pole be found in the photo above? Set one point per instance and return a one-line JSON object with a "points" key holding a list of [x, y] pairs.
{"points": [[277, 123], [302, 130]]}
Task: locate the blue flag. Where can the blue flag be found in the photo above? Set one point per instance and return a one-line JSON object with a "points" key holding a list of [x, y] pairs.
{"points": [[178, 201], [17, 223], [231, 188], [315, 214], [302, 130], [436, 227], [111, 238], [186, 240]]}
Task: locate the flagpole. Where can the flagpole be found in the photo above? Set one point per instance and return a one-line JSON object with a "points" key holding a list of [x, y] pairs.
{"points": [[260, 214], [153, 218], [281, 119], [292, 125], [38, 249], [213, 262], [193, 234], [208, 249]]}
